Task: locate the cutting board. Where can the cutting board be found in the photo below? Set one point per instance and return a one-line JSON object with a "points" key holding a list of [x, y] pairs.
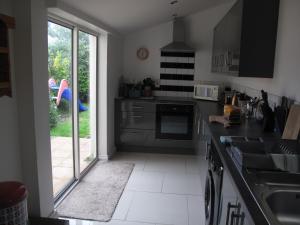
{"points": [[292, 127]]}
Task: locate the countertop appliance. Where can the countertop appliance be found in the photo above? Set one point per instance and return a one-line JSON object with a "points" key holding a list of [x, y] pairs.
{"points": [[174, 121], [213, 186], [206, 92]]}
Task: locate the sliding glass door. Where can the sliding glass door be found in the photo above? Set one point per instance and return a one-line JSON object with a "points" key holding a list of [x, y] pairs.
{"points": [[60, 84], [72, 68], [87, 71]]}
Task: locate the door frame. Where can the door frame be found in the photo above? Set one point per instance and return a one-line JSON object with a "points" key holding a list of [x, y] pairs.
{"points": [[78, 176]]}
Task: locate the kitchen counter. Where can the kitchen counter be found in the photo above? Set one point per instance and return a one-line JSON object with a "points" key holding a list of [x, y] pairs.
{"points": [[250, 187], [161, 99], [238, 175]]}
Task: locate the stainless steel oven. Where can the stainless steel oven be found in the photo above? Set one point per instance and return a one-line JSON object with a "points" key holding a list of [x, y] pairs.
{"points": [[174, 121]]}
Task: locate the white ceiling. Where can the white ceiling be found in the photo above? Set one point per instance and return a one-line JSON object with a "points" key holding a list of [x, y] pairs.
{"points": [[127, 16]]}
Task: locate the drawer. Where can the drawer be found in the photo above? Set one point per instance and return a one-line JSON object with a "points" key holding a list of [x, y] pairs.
{"points": [[138, 106], [146, 138], [135, 137], [137, 120]]}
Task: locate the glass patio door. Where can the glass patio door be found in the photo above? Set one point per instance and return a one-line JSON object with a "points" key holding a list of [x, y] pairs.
{"points": [[87, 71], [72, 67], [60, 83]]}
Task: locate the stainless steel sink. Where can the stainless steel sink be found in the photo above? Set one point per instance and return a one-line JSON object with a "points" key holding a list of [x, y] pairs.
{"points": [[285, 206], [280, 196]]}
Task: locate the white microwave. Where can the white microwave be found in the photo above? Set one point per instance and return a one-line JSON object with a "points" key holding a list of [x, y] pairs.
{"points": [[206, 92]]}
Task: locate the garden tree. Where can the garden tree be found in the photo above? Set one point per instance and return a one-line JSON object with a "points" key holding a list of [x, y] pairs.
{"points": [[83, 66], [60, 57]]}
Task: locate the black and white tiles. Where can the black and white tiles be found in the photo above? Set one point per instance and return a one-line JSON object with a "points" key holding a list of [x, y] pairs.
{"points": [[177, 71]]}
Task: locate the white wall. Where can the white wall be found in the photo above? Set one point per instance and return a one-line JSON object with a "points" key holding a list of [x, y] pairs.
{"points": [[39, 28], [10, 168], [153, 38], [114, 72], [32, 89], [199, 34]]}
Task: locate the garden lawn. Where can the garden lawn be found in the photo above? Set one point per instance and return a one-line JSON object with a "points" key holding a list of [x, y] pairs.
{"points": [[64, 127]]}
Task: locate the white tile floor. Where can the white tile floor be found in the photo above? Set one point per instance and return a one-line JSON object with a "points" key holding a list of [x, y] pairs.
{"points": [[162, 190]]}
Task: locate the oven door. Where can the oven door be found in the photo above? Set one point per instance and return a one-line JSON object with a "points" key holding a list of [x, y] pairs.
{"points": [[174, 122]]}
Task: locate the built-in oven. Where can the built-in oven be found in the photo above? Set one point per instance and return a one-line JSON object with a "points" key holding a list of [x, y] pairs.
{"points": [[174, 121]]}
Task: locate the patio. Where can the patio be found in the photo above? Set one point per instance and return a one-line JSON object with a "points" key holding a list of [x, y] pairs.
{"points": [[62, 160]]}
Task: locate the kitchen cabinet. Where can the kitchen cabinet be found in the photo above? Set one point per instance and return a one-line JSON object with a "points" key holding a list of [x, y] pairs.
{"points": [[198, 141], [201, 132], [233, 210], [137, 106], [136, 137], [245, 39], [135, 123], [228, 201], [136, 128], [137, 120]]}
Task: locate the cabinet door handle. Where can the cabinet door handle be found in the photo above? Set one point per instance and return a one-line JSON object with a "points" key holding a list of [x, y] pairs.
{"points": [[237, 218], [242, 219], [137, 107], [137, 117], [228, 213], [198, 128], [228, 216]]}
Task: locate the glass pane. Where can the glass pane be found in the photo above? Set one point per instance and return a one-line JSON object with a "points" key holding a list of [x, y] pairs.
{"points": [[87, 71], [60, 100], [174, 124]]}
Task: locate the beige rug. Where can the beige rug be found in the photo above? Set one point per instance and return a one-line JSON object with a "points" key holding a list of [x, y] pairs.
{"points": [[97, 195]]}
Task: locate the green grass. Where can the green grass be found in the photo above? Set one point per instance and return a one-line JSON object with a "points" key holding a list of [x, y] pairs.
{"points": [[64, 126]]}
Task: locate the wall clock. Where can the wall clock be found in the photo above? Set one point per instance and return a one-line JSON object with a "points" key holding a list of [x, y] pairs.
{"points": [[142, 53]]}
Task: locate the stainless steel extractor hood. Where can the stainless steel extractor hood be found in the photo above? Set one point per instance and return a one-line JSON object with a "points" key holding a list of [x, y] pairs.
{"points": [[178, 43]]}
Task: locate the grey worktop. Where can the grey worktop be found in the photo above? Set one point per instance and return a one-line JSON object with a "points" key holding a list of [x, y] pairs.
{"points": [[160, 99], [245, 183]]}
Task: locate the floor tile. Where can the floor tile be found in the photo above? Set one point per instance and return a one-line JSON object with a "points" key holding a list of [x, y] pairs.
{"points": [[123, 205], [145, 181], [166, 164], [196, 210], [162, 190], [137, 158], [192, 166], [189, 184], [159, 208]]}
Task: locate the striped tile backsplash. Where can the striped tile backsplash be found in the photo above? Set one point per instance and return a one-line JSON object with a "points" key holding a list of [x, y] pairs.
{"points": [[177, 71]]}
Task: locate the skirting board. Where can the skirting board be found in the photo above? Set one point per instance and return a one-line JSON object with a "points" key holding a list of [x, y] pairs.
{"points": [[159, 150]]}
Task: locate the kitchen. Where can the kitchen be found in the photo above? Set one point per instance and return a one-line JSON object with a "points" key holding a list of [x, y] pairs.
{"points": [[145, 124], [202, 132]]}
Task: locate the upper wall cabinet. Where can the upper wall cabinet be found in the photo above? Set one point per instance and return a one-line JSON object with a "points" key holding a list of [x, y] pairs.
{"points": [[245, 39], [6, 23]]}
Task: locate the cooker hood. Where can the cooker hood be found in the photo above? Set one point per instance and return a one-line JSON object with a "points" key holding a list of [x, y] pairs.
{"points": [[178, 44]]}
